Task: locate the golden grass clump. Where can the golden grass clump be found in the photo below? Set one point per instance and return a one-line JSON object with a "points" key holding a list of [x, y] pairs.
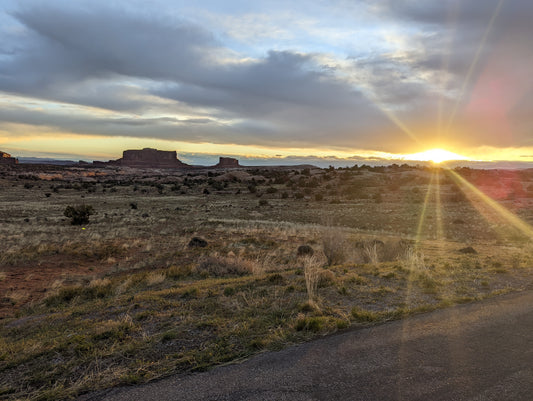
{"points": [[155, 278], [99, 282], [312, 278], [222, 266]]}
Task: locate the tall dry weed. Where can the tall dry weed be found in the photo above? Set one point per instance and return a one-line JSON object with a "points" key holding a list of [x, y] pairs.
{"points": [[371, 252], [312, 277], [414, 260]]}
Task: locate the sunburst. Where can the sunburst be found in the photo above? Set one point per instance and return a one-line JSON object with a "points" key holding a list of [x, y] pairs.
{"points": [[435, 156]]}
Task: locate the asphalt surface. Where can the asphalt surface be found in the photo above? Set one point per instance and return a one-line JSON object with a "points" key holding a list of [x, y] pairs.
{"points": [[481, 351]]}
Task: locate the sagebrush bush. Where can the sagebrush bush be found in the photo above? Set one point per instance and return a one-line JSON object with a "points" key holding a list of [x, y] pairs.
{"points": [[325, 278], [334, 246], [79, 214]]}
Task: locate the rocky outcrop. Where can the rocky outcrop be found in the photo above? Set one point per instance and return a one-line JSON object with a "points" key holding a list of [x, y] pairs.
{"points": [[145, 158], [153, 158], [150, 158], [227, 162], [5, 158]]}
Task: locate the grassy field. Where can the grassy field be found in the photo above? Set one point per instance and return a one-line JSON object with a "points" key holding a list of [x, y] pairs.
{"points": [[129, 297]]}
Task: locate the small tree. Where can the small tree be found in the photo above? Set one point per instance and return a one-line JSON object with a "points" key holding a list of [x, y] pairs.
{"points": [[79, 214]]}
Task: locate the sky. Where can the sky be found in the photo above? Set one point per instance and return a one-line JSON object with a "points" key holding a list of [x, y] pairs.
{"points": [[327, 79]]}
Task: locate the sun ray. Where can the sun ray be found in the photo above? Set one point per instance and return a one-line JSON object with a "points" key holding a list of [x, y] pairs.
{"points": [[393, 118], [424, 210], [473, 65], [438, 207], [500, 210]]}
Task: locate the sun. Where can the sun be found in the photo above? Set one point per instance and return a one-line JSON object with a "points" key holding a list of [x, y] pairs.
{"points": [[435, 156]]}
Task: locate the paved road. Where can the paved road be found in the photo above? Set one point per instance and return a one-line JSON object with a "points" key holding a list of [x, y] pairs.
{"points": [[481, 351]]}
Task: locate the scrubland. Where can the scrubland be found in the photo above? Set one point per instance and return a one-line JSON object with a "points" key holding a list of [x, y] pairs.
{"points": [[289, 255]]}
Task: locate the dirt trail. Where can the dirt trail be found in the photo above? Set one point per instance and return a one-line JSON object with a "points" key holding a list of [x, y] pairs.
{"points": [[481, 351]]}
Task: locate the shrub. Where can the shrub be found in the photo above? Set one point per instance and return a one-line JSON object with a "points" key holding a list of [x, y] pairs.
{"points": [[263, 202], [334, 245], [276, 278], [197, 242], [325, 278], [79, 214], [305, 250]]}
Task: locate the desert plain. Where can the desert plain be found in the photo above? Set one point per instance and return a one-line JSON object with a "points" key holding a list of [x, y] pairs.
{"points": [[180, 270]]}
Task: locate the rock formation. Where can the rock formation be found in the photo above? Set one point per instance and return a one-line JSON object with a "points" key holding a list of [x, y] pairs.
{"points": [[145, 158], [5, 158], [227, 162], [151, 158]]}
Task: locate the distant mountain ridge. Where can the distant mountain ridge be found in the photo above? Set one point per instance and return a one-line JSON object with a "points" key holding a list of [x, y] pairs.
{"points": [[46, 160]]}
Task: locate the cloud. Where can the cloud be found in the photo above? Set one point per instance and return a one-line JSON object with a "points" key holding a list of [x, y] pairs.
{"points": [[86, 57], [166, 75]]}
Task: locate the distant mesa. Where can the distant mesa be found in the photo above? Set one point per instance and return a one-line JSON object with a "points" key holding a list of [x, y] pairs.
{"points": [[150, 158], [227, 162], [153, 158], [5, 158]]}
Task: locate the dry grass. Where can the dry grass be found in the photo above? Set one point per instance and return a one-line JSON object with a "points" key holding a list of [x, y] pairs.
{"points": [[223, 266], [414, 260], [371, 253], [155, 278], [17, 296], [126, 301], [312, 277]]}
